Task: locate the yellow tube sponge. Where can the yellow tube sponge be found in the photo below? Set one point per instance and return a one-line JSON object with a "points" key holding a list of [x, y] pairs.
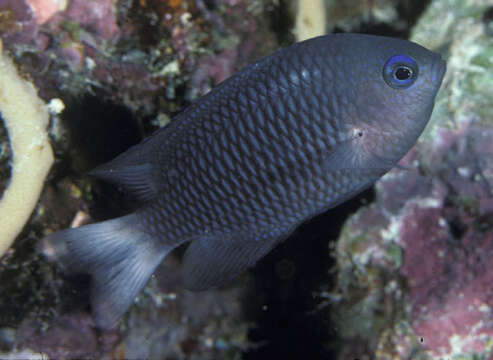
{"points": [[310, 19], [26, 118]]}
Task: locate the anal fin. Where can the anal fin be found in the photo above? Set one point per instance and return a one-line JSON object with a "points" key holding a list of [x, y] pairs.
{"points": [[214, 260]]}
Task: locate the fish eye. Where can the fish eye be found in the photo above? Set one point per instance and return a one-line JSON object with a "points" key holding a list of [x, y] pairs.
{"points": [[400, 71], [403, 73]]}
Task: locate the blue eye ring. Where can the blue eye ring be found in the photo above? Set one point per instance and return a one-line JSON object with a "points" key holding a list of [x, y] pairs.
{"points": [[400, 71]]}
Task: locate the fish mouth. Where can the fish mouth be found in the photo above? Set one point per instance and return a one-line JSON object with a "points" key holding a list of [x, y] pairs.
{"points": [[438, 70]]}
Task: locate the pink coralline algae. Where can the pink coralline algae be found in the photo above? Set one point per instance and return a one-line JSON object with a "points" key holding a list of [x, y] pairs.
{"points": [[98, 16], [43, 10], [449, 280], [447, 247], [132, 53], [440, 215], [68, 337], [55, 35]]}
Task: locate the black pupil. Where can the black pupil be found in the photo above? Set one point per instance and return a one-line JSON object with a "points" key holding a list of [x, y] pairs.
{"points": [[403, 73]]}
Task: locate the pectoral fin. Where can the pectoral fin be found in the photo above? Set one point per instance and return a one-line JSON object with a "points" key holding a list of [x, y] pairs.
{"points": [[351, 155]]}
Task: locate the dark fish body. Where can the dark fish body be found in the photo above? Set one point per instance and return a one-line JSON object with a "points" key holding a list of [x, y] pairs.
{"points": [[236, 172]]}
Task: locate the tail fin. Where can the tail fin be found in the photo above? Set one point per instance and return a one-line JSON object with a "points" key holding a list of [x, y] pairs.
{"points": [[119, 256]]}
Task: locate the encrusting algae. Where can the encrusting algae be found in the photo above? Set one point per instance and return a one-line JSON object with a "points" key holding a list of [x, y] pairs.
{"points": [[26, 118]]}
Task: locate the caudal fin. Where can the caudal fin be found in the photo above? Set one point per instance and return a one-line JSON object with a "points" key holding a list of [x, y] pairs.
{"points": [[119, 256]]}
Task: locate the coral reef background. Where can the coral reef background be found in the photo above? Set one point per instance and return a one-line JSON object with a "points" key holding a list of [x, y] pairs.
{"points": [[400, 272]]}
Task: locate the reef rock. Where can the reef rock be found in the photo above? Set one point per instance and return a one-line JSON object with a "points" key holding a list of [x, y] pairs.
{"points": [[415, 269]]}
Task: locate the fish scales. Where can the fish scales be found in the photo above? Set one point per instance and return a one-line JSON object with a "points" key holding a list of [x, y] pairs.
{"points": [[237, 171]]}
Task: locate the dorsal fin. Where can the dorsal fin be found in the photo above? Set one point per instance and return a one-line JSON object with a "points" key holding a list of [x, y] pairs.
{"points": [[132, 169]]}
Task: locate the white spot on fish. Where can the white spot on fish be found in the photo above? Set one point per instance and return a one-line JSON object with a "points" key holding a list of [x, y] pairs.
{"points": [[356, 133], [305, 74]]}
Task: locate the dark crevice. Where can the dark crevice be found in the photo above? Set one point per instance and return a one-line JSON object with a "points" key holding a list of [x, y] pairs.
{"points": [[408, 13], [281, 301], [488, 20], [281, 21], [457, 228], [98, 131], [5, 158]]}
